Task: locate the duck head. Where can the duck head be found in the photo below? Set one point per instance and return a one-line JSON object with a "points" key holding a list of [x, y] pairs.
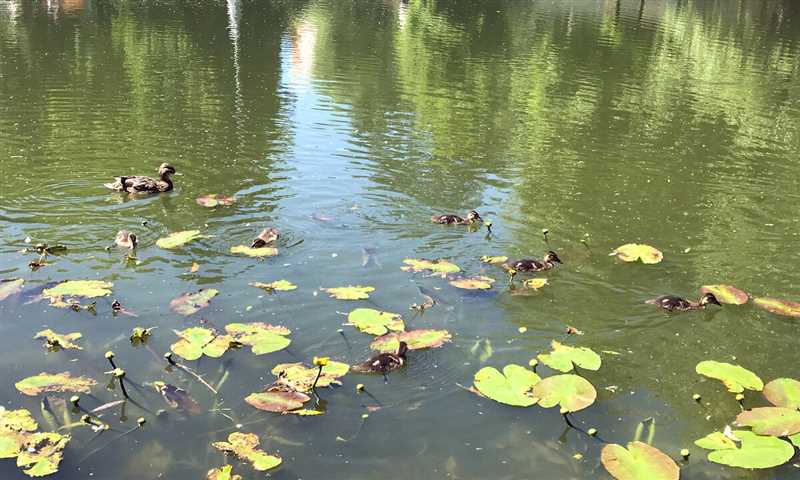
{"points": [[166, 170], [709, 298], [551, 257], [474, 216], [402, 349]]}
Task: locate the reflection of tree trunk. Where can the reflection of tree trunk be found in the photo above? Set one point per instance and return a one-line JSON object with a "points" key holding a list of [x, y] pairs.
{"points": [[616, 12], [641, 10]]}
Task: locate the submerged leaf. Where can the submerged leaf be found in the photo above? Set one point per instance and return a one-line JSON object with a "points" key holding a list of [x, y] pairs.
{"points": [[535, 283], [255, 252], [55, 382], [56, 340], [349, 293], [440, 266], [262, 337], [375, 322], [512, 387], [277, 401], [631, 252], [564, 358], [222, 473], [42, 453], [774, 421], [494, 260], [198, 341], [177, 398], [755, 451], [245, 446], [473, 283], [783, 392], [415, 339], [276, 286], [215, 199], [571, 392], [779, 307], [10, 286], [639, 461], [79, 288], [735, 378], [300, 377], [192, 302], [726, 294], [176, 239]]}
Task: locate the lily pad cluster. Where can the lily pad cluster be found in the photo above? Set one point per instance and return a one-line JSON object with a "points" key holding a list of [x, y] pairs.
{"points": [[38, 453], [245, 447], [289, 392], [262, 338]]}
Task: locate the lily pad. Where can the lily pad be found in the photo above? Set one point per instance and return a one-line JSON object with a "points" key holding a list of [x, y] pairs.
{"points": [[222, 473], [631, 252], [779, 307], [375, 322], [17, 420], [512, 387], [276, 286], [349, 293], [192, 302], [261, 337], [58, 382], [300, 377], [255, 252], [755, 451], [441, 266], [774, 421], [198, 341], [783, 392], [639, 461], [245, 446], [55, 340], [214, 200], [415, 339], [79, 288], [726, 294], [277, 401], [571, 392], [535, 283], [10, 286], [42, 453], [494, 260], [177, 239], [473, 283], [735, 378], [716, 441], [565, 358]]}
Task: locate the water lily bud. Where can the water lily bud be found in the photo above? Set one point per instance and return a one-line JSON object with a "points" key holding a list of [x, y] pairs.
{"points": [[74, 400], [321, 361], [109, 355], [488, 223], [685, 453], [141, 421], [563, 411], [522, 329], [592, 432], [696, 397], [86, 419], [118, 373], [739, 397], [364, 416], [359, 387], [533, 362], [545, 231]]}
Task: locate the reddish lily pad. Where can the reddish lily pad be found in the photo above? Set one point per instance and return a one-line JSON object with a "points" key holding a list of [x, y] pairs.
{"points": [[639, 461], [735, 378], [511, 387], [10, 286], [261, 337], [774, 421], [571, 392], [415, 339], [192, 302], [783, 392], [375, 322], [58, 382], [245, 446], [631, 252], [753, 451], [277, 401], [214, 200], [778, 307], [198, 341], [357, 292], [565, 358], [726, 294]]}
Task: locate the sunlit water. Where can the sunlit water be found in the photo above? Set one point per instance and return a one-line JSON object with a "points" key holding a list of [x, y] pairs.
{"points": [[346, 124]]}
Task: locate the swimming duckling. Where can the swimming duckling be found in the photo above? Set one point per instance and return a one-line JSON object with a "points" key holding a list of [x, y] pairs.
{"points": [[142, 184], [384, 362], [532, 265], [672, 303], [266, 237], [472, 217], [126, 239]]}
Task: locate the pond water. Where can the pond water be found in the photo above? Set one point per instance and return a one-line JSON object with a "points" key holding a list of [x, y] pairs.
{"points": [[346, 124]]}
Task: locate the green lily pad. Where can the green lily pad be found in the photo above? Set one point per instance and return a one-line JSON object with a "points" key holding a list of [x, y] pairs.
{"points": [[276, 286], [255, 252], [783, 392], [726, 294], [735, 378], [192, 302], [441, 266], [277, 401], [300, 377], [245, 446], [177, 239], [198, 341], [79, 288], [716, 441], [774, 421], [639, 461], [222, 473], [571, 392], [779, 307], [17, 420], [755, 451], [261, 337], [535, 283], [215, 199], [494, 260], [55, 382], [512, 387], [349, 293], [42, 453], [375, 322], [10, 286], [415, 339], [564, 358], [631, 252], [56, 340], [473, 283]]}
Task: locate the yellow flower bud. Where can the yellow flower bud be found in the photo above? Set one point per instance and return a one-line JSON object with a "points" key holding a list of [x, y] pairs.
{"points": [[321, 361]]}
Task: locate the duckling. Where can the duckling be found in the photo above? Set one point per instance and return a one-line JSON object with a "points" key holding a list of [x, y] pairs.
{"points": [[532, 265], [384, 362], [126, 239], [266, 237], [672, 303], [142, 184], [472, 217]]}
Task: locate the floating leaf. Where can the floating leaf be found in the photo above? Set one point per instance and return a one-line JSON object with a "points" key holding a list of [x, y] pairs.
{"points": [[42, 453], [494, 260], [564, 358], [512, 387], [140, 335], [631, 252], [56, 340], [535, 283], [774, 421], [716, 441], [58, 382], [177, 398], [214, 200], [783, 392], [10, 286], [735, 378], [276, 286], [571, 392], [349, 293], [176, 239], [222, 473], [726, 294], [17, 420], [198, 341], [79, 288], [300, 377], [639, 461], [375, 322], [277, 401], [779, 307], [473, 283], [192, 302], [415, 339], [245, 446], [441, 266], [255, 252], [755, 451], [262, 337]]}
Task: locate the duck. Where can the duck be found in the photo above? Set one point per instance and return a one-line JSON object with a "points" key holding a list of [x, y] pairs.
{"points": [[548, 262], [672, 303], [142, 184], [472, 217], [384, 362], [266, 237], [126, 239]]}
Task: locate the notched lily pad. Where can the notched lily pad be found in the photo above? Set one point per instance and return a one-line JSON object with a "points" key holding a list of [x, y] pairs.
{"points": [[10, 286], [42, 453], [245, 446], [773, 421], [276, 286], [726, 294], [222, 473], [357, 292], [415, 339], [198, 341], [192, 302], [565, 358], [79, 288], [512, 387], [735, 378], [639, 461], [473, 283], [277, 401], [778, 307], [716, 441], [300, 377], [571, 392], [754, 451], [783, 392], [55, 382], [494, 260], [375, 322], [255, 252], [440, 267], [177, 239], [214, 200], [631, 252], [261, 337], [55, 340]]}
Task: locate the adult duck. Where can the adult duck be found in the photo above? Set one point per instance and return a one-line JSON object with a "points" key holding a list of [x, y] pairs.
{"points": [[548, 262], [384, 362], [672, 303], [142, 184], [472, 217]]}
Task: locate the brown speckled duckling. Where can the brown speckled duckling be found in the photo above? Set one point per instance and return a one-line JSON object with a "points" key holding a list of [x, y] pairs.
{"points": [[266, 237], [548, 262], [472, 217], [672, 303], [384, 362], [126, 239], [142, 184]]}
